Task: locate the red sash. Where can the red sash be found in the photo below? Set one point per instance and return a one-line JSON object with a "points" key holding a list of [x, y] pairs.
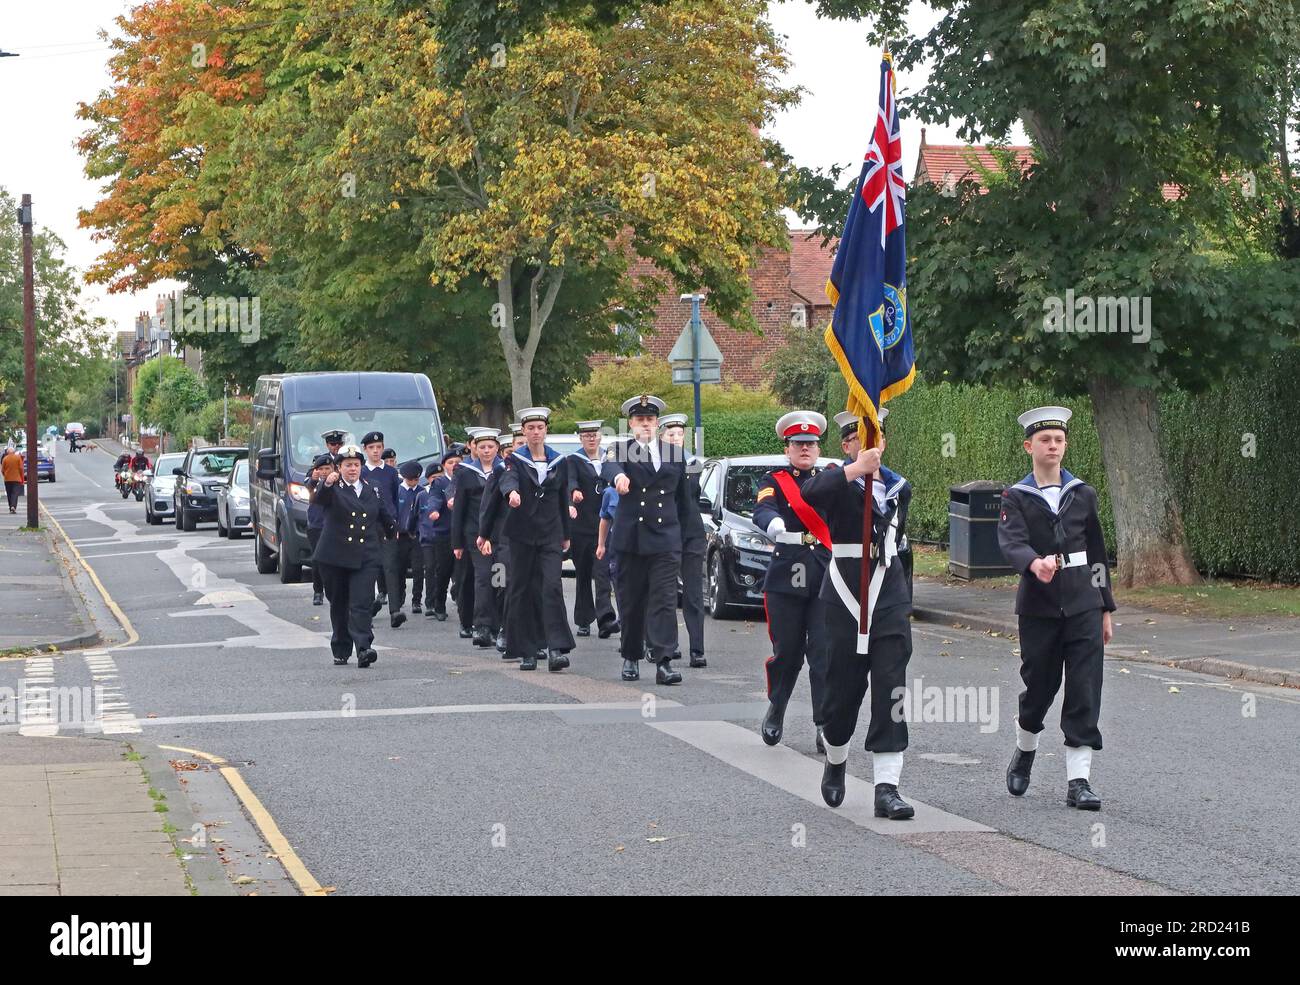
{"points": [[809, 517]]}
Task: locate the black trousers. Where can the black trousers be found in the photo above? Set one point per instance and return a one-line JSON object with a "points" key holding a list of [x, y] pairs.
{"points": [[488, 576], [399, 553], [501, 579], [313, 535], [12, 489], [465, 587], [796, 625], [351, 594], [535, 611], [438, 564], [849, 672], [647, 604], [693, 595], [592, 598], [1049, 646]]}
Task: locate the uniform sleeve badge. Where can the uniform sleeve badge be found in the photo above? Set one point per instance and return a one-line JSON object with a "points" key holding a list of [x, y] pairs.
{"points": [[764, 493]]}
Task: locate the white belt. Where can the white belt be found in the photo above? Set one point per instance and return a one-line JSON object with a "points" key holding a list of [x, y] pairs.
{"points": [[1075, 560], [791, 537]]}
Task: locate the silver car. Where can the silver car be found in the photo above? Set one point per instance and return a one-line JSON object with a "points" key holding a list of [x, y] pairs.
{"points": [[233, 512], [158, 503]]}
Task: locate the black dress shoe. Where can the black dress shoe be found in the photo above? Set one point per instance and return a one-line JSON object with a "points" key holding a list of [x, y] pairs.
{"points": [[833, 783], [382, 598], [366, 657], [582, 631], [605, 632], [482, 636], [631, 670], [664, 674], [1080, 795], [415, 608], [340, 661], [317, 598], [821, 743], [697, 660], [555, 660], [773, 723], [529, 662], [430, 614], [501, 641], [375, 607], [890, 805], [464, 633], [397, 619], [1018, 772]]}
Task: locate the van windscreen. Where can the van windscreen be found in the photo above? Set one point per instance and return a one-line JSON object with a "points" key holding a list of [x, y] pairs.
{"points": [[413, 434]]}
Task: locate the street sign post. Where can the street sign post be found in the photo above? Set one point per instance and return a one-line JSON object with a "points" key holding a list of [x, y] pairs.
{"points": [[696, 359]]}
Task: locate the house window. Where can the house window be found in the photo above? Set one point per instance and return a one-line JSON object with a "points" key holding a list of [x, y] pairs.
{"points": [[798, 316], [627, 337]]}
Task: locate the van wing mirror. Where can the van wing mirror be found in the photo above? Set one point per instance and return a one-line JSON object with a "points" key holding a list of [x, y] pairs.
{"points": [[267, 464]]}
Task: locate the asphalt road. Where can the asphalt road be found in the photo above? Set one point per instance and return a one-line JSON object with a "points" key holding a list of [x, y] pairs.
{"points": [[446, 769]]}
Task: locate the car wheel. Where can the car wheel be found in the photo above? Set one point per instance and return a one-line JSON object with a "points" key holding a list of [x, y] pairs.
{"points": [[715, 588], [289, 573], [221, 527], [51, 476], [188, 522], [263, 558]]}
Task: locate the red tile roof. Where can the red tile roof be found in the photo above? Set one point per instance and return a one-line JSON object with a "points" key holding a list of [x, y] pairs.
{"points": [[810, 265]]}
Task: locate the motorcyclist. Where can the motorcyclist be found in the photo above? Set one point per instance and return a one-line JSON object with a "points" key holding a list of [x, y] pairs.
{"points": [[139, 462], [123, 460]]}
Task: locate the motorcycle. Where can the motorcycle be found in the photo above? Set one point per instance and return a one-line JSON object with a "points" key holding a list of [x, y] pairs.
{"points": [[122, 480], [140, 483]]}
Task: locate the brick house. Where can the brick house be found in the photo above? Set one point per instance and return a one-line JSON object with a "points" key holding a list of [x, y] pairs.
{"points": [[788, 288]]}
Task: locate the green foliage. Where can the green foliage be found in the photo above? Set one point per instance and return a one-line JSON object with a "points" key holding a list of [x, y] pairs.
{"points": [[613, 383], [805, 375], [206, 422], [166, 393], [744, 432]]}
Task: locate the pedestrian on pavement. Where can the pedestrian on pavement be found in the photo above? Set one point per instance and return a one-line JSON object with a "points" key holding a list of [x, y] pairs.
{"points": [[321, 466], [672, 428], [1050, 531], [349, 552], [12, 467], [796, 614], [879, 657], [653, 508], [477, 603], [537, 525]]}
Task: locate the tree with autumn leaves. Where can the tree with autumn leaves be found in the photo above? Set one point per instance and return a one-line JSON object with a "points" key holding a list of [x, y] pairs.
{"points": [[318, 153]]}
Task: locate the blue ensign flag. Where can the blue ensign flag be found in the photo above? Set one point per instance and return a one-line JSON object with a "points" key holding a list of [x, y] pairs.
{"points": [[870, 333]]}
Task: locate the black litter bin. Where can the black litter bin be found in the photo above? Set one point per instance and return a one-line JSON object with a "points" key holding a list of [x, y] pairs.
{"points": [[973, 512]]}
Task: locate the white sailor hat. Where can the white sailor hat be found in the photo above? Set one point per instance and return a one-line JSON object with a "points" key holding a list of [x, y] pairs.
{"points": [[672, 421], [480, 434], [847, 422], [1045, 418], [516, 428], [644, 405], [349, 451], [588, 426], [506, 437], [801, 425], [528, 414]]}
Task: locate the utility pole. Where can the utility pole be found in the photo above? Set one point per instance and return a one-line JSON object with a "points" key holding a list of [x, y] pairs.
{"points": [[29, 362]]}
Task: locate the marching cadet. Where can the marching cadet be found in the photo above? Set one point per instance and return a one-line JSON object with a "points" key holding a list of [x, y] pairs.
{"points": [[796, 614], [321, 466], [476, 605], [348, 553], [653, 507], [385, 479], [849, 443], [1051, 533], [405, 547], [333, 442], [881, 656], [584, 495], [435, 507], [492, 526], [672, 428], [537, 525]]}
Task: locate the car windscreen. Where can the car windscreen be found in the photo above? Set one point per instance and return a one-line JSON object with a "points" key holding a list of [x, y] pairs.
{"points": [[741, 491], [166, 463], [412, 433], [212, 463], [240, 478]]}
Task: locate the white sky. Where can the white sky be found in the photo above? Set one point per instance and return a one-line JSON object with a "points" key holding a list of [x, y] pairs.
{"points": [[61, 63]]}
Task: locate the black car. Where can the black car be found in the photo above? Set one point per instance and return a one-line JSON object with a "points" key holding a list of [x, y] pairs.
{"points": [[195, 494], [738, 553]]}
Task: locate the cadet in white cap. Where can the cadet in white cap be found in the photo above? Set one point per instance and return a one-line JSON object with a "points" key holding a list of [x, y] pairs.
{"points": [[653, 508], [1050, 532], [672, 428], [477, 602], [592, 590], [796, 615], [537, 525]]}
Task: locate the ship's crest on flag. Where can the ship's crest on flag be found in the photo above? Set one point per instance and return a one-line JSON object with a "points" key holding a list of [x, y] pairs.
{"points": [[870, 333]]}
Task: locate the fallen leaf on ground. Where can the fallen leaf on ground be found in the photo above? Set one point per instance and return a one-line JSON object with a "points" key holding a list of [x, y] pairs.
{"points": [[1174, 690], [1125, 670], [655, 841], [244, 880]]}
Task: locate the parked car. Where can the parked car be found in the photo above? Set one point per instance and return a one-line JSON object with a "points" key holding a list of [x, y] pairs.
{"points": [[290, 413], [234, 515], [197, 479], [738, 553], [159, 503], [44, 464]]}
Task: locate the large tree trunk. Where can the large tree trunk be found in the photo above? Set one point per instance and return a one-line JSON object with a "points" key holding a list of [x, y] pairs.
{"points": [[543, 288], [1150, 539]]}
